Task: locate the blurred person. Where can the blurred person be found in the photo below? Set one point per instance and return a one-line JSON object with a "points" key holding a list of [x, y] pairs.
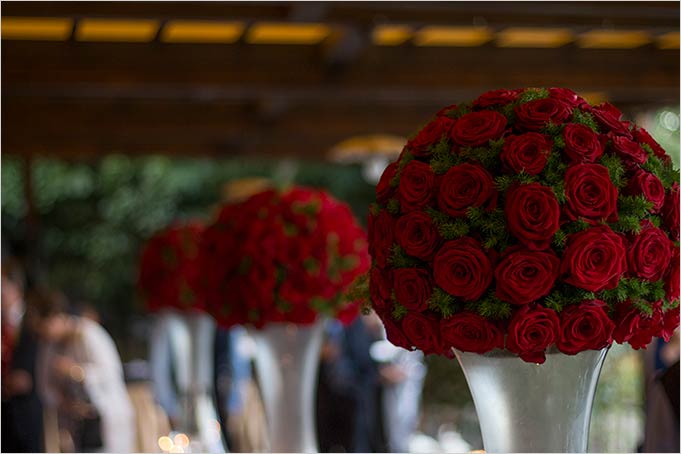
{"points": [[80, 378], [22, 423], [661, 362]]}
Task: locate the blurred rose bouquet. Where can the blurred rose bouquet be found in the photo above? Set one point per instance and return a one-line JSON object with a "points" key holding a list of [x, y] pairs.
{"points": [[525, 219], [283, 256], [169, 274]]}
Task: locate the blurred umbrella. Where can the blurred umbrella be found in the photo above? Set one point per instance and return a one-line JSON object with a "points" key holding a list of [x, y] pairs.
{"points": [[373, 151]]}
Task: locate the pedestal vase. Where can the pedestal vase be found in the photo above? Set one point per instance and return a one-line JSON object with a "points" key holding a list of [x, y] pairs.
{"points": [[527, 407]]}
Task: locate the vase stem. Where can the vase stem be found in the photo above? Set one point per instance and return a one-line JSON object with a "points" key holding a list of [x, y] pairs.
{"points": [[286, 360], [526, 407]]}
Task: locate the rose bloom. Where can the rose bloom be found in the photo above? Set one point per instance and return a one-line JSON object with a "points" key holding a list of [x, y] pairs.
{"points": [[532, 214], [670, 211], [670, 322], [465, 186], [635, 327], [581, 143], [649, 253], [470, 332], [462, 268], [423, 332], [594, 259], [535, 115], [650, 186], [394, 332], [381, 231], [585, 326], [493, 98], [608, 118], [380, 287], [430, 135], [630, 152], [417, 235], [567, 96], [412, 288], [417, 182], [524, 276], [526, 152], [478, 128], [590, 193], [643, 137], [383, 189], [530, 330]]}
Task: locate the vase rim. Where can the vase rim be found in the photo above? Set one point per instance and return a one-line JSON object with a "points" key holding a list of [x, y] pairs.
{"points": [[504, 353]]}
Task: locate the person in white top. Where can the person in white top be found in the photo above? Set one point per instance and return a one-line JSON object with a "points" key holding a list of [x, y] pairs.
{"points": [[80, 378]]}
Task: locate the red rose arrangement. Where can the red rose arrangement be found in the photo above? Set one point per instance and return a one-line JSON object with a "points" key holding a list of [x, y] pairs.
{"points": [[283, 257], [170, 272], [523, 220]]}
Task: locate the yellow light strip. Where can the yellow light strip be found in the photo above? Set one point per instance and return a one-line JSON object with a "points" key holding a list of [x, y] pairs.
{"points": [[182, 31], [534, 37], [287, 33], [118, 30], [668, 40], [36, 28], [594, 97], [391, 35], [452, 36], [613, 39]]}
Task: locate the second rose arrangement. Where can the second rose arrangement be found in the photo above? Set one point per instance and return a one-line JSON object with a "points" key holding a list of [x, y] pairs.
{"points": [[526, 219]]}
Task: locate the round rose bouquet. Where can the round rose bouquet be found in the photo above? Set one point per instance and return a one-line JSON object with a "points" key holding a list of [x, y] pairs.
{"points": [[283, 256], [525, 219], [170, 272]]}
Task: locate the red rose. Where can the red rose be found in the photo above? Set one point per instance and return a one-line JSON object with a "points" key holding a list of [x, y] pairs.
{"points": [[608, 118], [635, 327], [643, 137], [412, 288], [465, 186], [585, 326], [423, 332], [590, 193], [670, 211], [630, 152], [394, 333], [526, 152], [581, 143], [430, 135], [383, 189], [445, 110], [535, 115], [470, 332], [381, 237], [650, 186], [532, 215], [417, 235], [417, 182], [496, 98], [669, 323], [380, 287], [649, 254], [477, 128], [569, 97], [594, 259], [671, 286], [461, 268], [524, 276], [530, 331]]}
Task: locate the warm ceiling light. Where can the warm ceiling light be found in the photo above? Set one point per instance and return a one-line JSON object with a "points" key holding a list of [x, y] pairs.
{"points": [[135, 30], [534, 37], [36, 28], [287, 33], [390, 35], [182, 31], [668, 40], [452, 36], [613, 39]]}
